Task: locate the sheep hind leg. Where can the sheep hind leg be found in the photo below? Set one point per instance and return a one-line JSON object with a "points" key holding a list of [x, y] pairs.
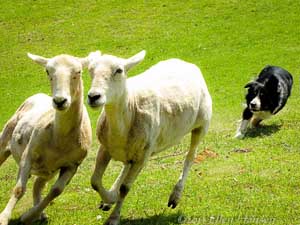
{"points": [[19, 189], [5, 137], [7, 132], [175, 196], [64, 178], [4, 154]]}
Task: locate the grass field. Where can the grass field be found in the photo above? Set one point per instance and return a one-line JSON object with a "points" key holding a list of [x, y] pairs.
{"points": [[250, 181]]}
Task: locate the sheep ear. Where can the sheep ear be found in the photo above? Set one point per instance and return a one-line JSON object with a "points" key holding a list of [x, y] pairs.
{"points": [[132, 61], [84, 62], [38, 59], [93, 55]]}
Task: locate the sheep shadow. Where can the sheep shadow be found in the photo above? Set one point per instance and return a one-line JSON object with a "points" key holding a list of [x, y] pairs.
{"points": [[18, 222], [155, 220], [263, 130]]}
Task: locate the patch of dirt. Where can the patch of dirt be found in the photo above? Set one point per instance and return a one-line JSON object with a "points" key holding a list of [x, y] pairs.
{"points": [[242, 150], [206, 153]]}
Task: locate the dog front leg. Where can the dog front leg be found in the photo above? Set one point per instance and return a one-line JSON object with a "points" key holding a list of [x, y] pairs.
{"points": [[241, 131]]}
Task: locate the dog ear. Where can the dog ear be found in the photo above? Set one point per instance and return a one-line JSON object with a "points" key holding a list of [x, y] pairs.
{"points": [[272, 83], [249, 85]]}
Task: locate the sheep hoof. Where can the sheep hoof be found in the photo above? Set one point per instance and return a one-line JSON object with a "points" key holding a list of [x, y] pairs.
{"points": [[172, 204], [105, 206], [173, 201], [31, 216], [112, 220], [27, 218], [43, 217], [175, 196], [3, 220]]}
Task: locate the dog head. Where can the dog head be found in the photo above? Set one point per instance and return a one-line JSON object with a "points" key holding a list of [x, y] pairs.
{"points": [[262, 96]]}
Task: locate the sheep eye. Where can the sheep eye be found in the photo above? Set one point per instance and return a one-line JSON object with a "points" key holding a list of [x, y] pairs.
{"points": [[76, 74], [50, 78]]}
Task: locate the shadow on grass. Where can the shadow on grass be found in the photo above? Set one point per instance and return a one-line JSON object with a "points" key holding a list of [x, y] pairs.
{"points": [[263, 130], [18, 222], [155, 220]]}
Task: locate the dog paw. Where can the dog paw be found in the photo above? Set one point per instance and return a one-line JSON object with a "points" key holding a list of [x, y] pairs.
{"points": [[239, 135]]}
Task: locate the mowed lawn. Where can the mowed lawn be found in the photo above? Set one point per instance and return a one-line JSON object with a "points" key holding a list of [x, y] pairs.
{"points": [[250, 181]]}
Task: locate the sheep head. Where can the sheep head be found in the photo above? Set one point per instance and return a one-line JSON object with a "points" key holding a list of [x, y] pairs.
{"points": [[109, 75], [64, 73]]}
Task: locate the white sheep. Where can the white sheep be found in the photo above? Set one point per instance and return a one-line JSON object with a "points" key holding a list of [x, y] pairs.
{"points": [[47, 135], [144, 115]]}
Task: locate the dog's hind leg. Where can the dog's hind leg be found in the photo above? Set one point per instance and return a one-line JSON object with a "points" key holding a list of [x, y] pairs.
{"points": [[255, 121]]}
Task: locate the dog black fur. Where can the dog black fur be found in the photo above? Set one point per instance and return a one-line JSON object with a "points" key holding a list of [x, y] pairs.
{"points": [[266, 96]]}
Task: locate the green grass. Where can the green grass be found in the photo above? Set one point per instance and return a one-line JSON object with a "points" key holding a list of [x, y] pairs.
{"points": [[231, 41]]}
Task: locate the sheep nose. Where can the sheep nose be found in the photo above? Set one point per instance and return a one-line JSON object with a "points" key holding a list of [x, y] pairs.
{"points": [[94, 97], [59, 101]]}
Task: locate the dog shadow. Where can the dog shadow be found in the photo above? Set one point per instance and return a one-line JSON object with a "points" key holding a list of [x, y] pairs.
{"points": [[263, 130], [155, 220], [38, 222]]}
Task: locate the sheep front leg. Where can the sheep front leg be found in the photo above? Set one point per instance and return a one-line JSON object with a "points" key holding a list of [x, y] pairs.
{"points": [[114, 190], [19, 189], [64, 178], [135, 169], [111, 196], [175, 196]]}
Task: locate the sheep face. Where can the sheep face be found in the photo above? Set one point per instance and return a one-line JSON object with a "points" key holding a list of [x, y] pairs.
{"points": [[108, 75], [64, 73]]}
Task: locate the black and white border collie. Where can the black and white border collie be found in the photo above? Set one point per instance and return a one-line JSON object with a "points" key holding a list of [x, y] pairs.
{"points": [[266, 96]]}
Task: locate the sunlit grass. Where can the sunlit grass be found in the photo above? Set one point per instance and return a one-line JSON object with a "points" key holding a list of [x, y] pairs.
{"points": [[231, 41]]}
